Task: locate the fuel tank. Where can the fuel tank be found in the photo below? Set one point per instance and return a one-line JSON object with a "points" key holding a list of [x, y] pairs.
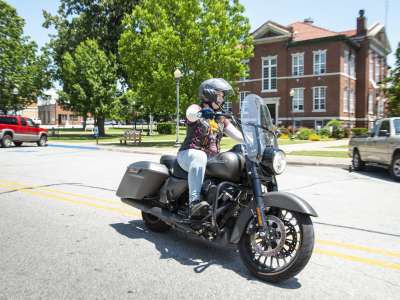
{"points": [[227, 166]]}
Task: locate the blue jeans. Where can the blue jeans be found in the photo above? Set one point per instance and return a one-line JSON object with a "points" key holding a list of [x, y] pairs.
{"points": [[194, 162]]}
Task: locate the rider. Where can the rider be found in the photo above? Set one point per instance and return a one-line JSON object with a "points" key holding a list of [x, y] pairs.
{"points": [[204, 133]]}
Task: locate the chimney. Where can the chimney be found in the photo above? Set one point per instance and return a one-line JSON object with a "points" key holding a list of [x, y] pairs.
{"points": [[361, 23], [308, 21]]}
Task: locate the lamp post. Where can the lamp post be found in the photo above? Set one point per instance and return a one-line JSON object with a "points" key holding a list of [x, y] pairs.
{"points": [[15, 93], [291, 94], [177, 75]]}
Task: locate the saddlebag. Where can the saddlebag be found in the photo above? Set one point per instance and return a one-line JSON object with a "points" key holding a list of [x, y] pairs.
{"points": [[142, 180]]}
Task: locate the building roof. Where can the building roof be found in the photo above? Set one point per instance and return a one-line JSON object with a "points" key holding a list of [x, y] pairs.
{"points": [[303, 31]]}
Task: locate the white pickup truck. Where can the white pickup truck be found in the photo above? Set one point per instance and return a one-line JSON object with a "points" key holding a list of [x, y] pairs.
{"points": [[380, 147]]}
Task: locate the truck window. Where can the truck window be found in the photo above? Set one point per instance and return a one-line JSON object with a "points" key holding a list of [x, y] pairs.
{"points": [[375, 130], [396, 123], [8, 120], [23, 122], [385, 125], [30, 123]]}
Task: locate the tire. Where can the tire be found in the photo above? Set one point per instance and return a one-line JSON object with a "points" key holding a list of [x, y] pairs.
{"points": [[304, 244], [154, 224], [6, 141], [395, 167], [357, 163], [18, 144], [42, 141]]}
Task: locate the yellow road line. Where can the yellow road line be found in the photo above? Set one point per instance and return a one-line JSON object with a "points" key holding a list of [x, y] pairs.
{"points": [[135, 213], [361, 248], [22, 186], [368, 261], [124, 212]]}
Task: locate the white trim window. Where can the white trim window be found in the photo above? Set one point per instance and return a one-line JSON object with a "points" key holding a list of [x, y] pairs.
{"points": [[318, 124], [269, 74], [352, 101], [298, 64], [377, 69], [371, 66], [319, 97], [371, 103], [242, 95], [319, 62], [346, 63], [346, 99], [353, 65], [298, 100]]}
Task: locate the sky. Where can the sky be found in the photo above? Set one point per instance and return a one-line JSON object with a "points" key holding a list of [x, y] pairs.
{"points": [[338, 15]]}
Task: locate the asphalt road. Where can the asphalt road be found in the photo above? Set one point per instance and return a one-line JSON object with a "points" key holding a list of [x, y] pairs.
{"points": [[65, 235]]}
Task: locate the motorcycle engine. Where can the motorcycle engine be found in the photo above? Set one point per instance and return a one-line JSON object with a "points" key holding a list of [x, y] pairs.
{"points": [[209, 191]]}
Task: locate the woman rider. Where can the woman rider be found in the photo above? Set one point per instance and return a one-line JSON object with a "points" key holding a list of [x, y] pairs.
{"points": [[204, 133]]}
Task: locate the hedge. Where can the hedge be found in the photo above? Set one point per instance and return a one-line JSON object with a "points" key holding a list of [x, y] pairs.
{"points": [[166, 128]]}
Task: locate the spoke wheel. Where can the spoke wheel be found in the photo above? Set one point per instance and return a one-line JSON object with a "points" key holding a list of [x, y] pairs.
{"points": [[283, 250], [6, 141]]}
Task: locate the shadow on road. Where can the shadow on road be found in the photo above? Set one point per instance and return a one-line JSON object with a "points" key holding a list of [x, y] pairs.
{"points": [[193, 252], [377, 173]]}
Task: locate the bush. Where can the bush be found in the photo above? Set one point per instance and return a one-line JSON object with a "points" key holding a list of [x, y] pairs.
{"points": [[325, 132], [314, 137], [357, 131], [284, 136], [284, 130], [166, 128], [304, 133]]}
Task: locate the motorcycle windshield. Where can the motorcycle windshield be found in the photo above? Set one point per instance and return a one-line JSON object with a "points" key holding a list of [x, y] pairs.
{"points": [[257, 127]]}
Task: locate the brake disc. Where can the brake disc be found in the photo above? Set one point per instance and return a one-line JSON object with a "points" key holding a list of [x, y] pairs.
{"points": [[269, 243]]}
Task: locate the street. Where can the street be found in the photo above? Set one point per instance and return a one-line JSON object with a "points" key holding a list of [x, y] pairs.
{"points": [[65, 235]]}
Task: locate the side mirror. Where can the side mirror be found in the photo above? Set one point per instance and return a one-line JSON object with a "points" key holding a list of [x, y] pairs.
{"points": [[36, 125], [383, 133]]}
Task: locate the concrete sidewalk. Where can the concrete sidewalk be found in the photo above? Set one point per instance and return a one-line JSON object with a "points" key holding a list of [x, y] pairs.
{"points": [[292, 159]]}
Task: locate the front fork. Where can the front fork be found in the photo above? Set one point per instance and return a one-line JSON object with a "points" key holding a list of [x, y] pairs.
{"points": [[257, 191]]}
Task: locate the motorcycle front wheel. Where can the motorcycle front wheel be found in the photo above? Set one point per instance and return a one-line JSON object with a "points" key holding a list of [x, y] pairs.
{"points": [[281, 252]]}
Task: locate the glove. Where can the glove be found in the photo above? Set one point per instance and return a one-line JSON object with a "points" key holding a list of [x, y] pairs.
{"points": [[207, 113]]}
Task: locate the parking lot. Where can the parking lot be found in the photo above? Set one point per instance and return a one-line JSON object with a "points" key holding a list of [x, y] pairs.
{"points": [[64, 234]]}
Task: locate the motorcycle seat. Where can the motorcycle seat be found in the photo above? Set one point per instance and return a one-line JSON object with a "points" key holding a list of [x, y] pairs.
{"points": [[173, 166]]}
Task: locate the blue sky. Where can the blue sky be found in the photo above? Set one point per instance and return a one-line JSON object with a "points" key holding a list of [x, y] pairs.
{"points": [[336, 15]]}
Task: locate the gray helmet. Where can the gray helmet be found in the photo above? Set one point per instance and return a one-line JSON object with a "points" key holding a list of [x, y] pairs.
{"points": [[209, 88]]}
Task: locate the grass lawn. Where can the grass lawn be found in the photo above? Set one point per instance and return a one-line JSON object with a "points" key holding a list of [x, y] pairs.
{"points": [[340, 154]]}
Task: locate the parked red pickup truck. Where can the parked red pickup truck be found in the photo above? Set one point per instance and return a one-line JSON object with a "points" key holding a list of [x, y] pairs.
{"points": [[17, 130]]}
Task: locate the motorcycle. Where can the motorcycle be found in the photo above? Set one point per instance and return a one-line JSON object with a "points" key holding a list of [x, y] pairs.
{"points": [[273, 230]]}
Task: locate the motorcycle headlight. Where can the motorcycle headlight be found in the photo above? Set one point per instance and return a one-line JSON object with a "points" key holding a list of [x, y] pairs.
{"points": [[279, 162], [274, 161]]}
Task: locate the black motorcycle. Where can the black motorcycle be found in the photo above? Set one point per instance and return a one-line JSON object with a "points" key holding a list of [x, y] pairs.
{"points": [[273, 230]]}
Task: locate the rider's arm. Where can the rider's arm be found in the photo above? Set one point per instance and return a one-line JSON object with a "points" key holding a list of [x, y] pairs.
{"points": [[233, 132]]}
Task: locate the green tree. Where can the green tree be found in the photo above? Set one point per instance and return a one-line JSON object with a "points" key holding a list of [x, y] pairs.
{"points": [[89, 82], [393, 90], [24, 75], [203, 38]]}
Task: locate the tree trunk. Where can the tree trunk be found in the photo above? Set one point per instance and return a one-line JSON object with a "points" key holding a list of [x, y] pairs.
{"points": [[100, 126], [84, 123]]}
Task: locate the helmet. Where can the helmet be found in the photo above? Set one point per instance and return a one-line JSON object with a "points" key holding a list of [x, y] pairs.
{"points": [[209, 89]]}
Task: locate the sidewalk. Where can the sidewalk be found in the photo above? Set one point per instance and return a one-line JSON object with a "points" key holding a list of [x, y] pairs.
{"points": [[292, 159]]}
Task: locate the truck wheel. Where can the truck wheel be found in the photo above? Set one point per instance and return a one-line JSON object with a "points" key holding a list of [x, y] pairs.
{"points": [[43, 141], [357, 163], [395, 167], [154, 224], [18, 144], [6, 141]]}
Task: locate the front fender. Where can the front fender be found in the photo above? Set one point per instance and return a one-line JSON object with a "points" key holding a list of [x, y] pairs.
{"points": [[282, 200]]}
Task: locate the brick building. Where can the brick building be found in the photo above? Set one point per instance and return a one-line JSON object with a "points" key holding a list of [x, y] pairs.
{"points": [[308, 75], [55, 114]]}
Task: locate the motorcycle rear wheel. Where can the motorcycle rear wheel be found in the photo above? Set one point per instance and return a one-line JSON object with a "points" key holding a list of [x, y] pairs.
{"points": [[286, 260], [154, 224]]}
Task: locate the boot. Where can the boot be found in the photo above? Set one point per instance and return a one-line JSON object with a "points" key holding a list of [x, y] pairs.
{"points": [[198, 208]]}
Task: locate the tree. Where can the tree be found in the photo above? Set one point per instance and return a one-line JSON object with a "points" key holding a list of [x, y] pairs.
{"points": [[24, 75], [89, 82], [203, 38], [393, 90]]}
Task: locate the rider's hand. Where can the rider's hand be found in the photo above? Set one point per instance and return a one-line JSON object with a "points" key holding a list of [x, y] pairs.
{"points": [[207, 113]]}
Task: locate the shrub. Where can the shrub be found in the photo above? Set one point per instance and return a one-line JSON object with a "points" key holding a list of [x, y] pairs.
{"points": [[284, 136], [325, 132], [357, 131], [284, 130], [314, 137], [304, 133], [166, 128]]}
